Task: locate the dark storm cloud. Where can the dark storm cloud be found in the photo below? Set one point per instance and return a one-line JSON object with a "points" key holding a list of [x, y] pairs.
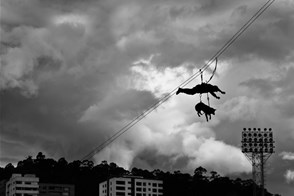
{"points": [[60, 77], [45, 123], [261, 86], [118, 106], [278, 88], [270, 37], [50, 121]]}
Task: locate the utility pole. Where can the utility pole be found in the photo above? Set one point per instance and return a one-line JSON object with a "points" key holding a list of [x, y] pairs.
{"points": [[258, 146]]}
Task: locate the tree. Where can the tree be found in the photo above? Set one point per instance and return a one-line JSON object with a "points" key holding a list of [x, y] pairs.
{"points": [[62, 162], [200, 172], [40, 156], [9, 166], [87, 164], [214, 175]]}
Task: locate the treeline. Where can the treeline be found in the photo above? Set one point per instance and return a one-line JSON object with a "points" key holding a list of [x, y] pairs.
{"points": [[86, 177]]}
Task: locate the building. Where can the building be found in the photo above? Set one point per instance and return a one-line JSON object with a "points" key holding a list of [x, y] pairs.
{"points": [[18, 185], [3, 187], [46, 189], [131, 186]]}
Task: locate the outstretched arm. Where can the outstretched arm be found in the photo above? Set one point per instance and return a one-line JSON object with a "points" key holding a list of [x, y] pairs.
{"points": [[221, 91], [213, 94]]}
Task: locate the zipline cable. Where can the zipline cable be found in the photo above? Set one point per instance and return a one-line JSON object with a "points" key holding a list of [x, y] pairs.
{"points": [[213, 71], [191, 78]]}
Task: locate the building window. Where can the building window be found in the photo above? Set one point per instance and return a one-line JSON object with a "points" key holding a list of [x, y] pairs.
{"points": [[120, 193], [154, 184], [120, 182], [139, 194], [138, 183], [120, 188], [138, 189]]}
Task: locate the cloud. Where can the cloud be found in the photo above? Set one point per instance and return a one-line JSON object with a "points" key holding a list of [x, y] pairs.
{"points": [[19, 64], [119, 105], [146, 75], [186, 149], [278, 85], [289, 175], [219, 156], [240, 108], [287, 155]]}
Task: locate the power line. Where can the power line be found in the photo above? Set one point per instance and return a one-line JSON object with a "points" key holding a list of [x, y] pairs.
{"points": [[191, 78]]}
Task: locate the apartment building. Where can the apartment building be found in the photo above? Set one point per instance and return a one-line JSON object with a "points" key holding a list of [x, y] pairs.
{"points": [[131, 186], [3, 187], [48, 189], [22, 185]]}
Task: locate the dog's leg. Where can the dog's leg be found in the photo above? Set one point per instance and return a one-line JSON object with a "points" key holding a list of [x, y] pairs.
{"points": [[206, 117]]}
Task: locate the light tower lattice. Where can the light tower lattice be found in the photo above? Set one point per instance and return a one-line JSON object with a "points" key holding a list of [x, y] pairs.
{"points": [[258, 146]]}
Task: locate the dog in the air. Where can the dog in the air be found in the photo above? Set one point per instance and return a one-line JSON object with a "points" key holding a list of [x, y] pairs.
{"points": [[201, 107]]}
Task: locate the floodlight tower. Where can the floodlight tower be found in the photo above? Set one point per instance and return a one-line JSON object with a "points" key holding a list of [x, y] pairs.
{"points": [[258, 146]]}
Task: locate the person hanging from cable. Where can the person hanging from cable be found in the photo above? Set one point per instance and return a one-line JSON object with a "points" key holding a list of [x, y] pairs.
{"points": [[204, 87], [201, 88]]}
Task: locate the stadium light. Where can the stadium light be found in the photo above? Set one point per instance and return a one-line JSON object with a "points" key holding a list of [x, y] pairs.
{"points": [[257, 145]]}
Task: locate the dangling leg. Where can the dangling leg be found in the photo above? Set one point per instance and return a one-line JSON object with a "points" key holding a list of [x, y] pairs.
{"points": [[222, 92], [213, 94], [189, 91], [206, 115]]}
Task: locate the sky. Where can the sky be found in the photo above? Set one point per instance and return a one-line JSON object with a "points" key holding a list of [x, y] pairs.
{"points": [[73, 72]]}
